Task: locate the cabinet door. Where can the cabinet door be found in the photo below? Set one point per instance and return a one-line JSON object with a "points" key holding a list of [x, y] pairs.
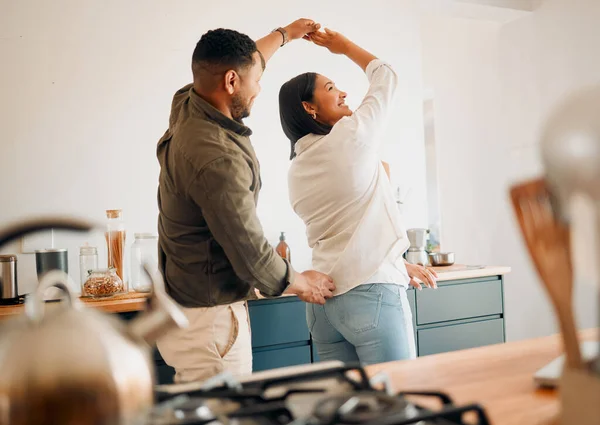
{"points": [[458, 301], [276, 322], [271, 359], [458, 337]]}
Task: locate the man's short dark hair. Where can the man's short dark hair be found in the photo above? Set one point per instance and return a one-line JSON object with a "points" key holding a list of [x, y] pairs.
{"points": [[221, 50]]}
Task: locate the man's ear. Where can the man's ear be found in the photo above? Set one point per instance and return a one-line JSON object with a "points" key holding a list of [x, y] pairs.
{"points": [[309, 108], [231, 80]]}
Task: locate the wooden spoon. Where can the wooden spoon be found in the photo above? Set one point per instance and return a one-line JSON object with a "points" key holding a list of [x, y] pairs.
{"points": [[548, 241]]}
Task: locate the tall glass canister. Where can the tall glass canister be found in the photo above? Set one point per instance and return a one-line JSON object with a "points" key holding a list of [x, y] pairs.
{"points": [[115, 241], [143, 251]]}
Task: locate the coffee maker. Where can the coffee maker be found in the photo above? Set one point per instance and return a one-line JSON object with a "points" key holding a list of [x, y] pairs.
{"points": [[416, 253]]}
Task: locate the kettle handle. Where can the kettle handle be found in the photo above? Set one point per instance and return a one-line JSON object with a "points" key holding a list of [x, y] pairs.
{"points": [[164, 313], [24, 227], [35, 306]]}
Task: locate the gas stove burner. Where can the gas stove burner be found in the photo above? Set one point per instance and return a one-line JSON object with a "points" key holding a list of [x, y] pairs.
{"points": [[361, 407], [322, 394], [13, 301]]}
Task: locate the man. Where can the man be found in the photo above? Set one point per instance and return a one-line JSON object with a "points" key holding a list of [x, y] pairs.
{"points": [[213, 253]]}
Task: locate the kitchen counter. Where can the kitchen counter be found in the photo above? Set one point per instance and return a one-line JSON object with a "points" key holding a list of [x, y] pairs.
{"points": [[137, 301], [498, 377], [133, 301], [461, 271]]}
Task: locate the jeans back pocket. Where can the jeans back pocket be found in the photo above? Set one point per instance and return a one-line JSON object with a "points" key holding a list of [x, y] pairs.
{"points": [[362, 307]]}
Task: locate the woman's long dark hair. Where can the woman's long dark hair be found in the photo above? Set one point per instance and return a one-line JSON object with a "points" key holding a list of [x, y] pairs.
{"points": [[296, 122]]}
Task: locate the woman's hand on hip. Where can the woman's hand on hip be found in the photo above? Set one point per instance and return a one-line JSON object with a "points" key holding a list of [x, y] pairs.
{"points": [[426, 275]]}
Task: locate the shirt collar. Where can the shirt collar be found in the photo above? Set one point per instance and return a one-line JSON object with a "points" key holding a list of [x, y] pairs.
{"points": [[306, 142], [217, 116]]}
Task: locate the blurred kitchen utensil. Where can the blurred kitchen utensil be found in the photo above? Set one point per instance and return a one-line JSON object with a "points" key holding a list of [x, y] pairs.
{"points": [[78, 365], [74, 365], [9, 288], [439, 259], [548, 242], [570, 151], [570, 148], [51, 259], [23, 227]]}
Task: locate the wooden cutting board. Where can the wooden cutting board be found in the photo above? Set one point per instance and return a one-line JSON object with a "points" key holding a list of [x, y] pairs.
{"points": [[455, 268], [128, 296]]}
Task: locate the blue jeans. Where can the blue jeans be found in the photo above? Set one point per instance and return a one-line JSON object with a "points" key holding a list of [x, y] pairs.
{"points": [[371, 323]]}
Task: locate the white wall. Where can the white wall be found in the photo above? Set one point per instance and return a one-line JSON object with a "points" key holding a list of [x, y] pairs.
{"points": [[86, 89], [493, 85]]}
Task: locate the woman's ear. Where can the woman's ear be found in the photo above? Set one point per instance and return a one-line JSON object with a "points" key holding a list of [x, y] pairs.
{"points": [[310, 109]]}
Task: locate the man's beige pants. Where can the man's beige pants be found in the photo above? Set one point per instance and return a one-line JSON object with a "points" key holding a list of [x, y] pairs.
{"points": [[217, 340]]}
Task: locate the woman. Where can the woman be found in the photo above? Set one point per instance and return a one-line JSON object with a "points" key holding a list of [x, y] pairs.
{"points": [[339, 188]]}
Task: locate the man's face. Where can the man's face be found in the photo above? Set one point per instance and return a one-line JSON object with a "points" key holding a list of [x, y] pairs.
{"points": [[249, 87]]}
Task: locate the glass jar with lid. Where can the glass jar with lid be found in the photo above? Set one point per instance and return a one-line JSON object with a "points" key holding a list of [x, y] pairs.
{"points": [[88, 261], [102, 283], [144, 250]]}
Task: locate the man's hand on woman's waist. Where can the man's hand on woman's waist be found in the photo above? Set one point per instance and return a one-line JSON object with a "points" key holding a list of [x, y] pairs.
{"points": [[312, 286]]}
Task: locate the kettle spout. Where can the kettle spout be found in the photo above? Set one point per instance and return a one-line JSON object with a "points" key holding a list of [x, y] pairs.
{"points": [[164, 313]]}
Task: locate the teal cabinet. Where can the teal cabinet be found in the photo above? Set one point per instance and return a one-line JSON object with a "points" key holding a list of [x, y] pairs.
{"points": [[460, 336], [280, 336], [280, 357], [459, 314], [457, 300], [278, 321]]}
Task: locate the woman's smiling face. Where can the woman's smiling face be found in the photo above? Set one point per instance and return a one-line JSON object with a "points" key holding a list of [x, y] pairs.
{"points": [[329, 102]]}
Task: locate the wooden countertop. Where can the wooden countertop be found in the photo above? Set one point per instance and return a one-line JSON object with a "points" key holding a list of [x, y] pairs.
{"points": [[134, 301], [137, 301], [498, 377]]}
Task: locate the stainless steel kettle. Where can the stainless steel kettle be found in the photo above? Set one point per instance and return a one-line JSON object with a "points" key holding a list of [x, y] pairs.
{"points": [[74, 365]]}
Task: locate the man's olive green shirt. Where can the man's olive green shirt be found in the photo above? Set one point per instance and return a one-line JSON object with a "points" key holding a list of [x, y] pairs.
{"points": [[212, 249]]}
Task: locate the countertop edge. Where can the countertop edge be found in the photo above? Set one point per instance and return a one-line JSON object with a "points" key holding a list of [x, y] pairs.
{"points": [[139, 303], [474, 273]]}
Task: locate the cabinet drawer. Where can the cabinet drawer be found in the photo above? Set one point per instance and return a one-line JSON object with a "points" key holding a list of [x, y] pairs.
{"points": [[276, 323], [271, 359], [459, 301], [459, 337]]}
